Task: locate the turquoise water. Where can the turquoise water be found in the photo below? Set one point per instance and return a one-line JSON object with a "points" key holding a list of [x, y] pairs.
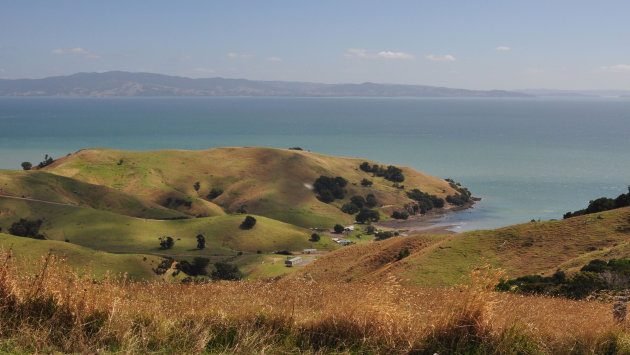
{"points": [[527, 158]]}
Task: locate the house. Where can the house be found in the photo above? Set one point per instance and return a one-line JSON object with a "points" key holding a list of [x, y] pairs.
{"points": [[344, 242], [349, 229], [310, 251], [292, 261]]}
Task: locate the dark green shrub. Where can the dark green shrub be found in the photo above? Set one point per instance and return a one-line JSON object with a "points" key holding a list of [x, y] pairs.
{"points": [[400, 215], [226, 271], [201, 241], [315, 237], [349, 208], [367, 215], [328, 189], [26, 228], [196, 186], [166, 242], [214, 193], [403, 254], [370, 201], [248, 223], [384, 235], [196, 268], [26, 165], [366, 182], [338, 228]]}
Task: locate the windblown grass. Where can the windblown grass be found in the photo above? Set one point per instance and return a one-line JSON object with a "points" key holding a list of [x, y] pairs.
{"points": [[56, 310]]}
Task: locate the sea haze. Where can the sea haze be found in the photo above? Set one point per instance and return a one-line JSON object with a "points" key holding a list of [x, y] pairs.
{"points": [[528, 158]]}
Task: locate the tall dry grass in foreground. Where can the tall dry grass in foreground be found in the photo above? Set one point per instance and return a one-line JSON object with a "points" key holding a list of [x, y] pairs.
{"points": [[56, 310]]}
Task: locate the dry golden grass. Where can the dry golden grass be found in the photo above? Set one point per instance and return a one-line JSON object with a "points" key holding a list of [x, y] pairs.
{"points": [[55, 310]]}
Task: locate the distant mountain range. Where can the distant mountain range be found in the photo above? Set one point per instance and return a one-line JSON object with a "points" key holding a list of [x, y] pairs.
{"points": [[577, 93], [118, 83]]}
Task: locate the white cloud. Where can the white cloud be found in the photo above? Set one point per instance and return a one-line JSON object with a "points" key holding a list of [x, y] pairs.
{"points": [[75, 51], [239, 55], [355, 52], [441, 58], [503, 49], [362, 53], [274, 59], [619, 68], [204, 70], [394, 55]]}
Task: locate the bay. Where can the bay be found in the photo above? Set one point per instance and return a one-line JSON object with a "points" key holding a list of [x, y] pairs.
{"points": [[527, 158]]}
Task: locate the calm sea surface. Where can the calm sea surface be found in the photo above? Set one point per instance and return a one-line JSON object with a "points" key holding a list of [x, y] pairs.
{"points": [[527, 158]]}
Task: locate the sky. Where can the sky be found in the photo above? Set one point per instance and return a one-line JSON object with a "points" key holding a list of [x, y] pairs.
{"points": [[487, 44]]}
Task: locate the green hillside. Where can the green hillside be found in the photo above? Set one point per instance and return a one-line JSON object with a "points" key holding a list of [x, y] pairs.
{"points": [[41, 185], [275, 183], [529, 248], [112, 232], [97, 263]]}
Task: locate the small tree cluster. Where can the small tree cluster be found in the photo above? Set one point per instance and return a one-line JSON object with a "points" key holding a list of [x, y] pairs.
{"points": [[366, 182], [338, 228], [26, 165], [196, 268], [329, 189], [226, 271], [462, 196], [390, 173], [383, 235], [26, 228], [248, 223], [197, 185], [602, 204], [400, 215], [426, 202], [47, 161], [315, 237], [166, 242], [403, 254], [368, 215]]}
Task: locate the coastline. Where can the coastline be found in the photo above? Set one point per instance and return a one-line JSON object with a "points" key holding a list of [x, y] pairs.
{"points": [[426, 223]]}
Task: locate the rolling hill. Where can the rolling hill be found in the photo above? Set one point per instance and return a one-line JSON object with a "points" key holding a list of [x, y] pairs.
{"points": [[276, 183], [530, 248]]}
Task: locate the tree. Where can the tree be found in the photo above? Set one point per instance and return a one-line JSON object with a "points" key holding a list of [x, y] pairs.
{"points": [[248, 223], [328, 189], [26, 228], [370, 229], [196, 268], [338, 228], [27, 165], [226, 271], [358, 201], [367, 215], [196, 186], [315, 237], [365, 166], [47, 161], [242, 209], [349, 208], [370, 201], [400, 215], [166, 242], [201, 241], [366, 182]]}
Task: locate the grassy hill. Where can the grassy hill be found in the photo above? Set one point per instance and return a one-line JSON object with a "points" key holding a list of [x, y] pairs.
{"points": [[97, 263], [530, 248], [112, 232], [270, 182], [41, 185]]}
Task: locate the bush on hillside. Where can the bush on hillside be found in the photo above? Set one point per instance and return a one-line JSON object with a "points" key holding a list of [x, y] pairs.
{"points": [[226, 271], [383, 235], [367, 215], [201, 241], [370, 201], [248, 223], [329, 189], [315, 237], [47, 161], [349, 208], [338, 228], [27, 228], [166, 242], [403, 254], [390, 173], [196, 268], [26, 165], [214, 193], [358, 201], [400, 215], [602, 204]]}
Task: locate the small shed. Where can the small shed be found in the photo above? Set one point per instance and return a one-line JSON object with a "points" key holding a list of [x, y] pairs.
{"points": [[349, 229], [310, 251], [344, 242], [291, 261]]}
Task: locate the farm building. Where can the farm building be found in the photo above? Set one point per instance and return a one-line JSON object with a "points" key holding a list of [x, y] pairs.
{"points": [[310, 251], [291, 261], [344, 242]]}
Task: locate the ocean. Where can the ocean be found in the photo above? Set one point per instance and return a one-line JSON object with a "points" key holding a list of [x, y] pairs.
{"points": [[527, 158]]}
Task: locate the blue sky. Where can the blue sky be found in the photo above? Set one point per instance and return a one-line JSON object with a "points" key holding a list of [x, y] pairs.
{"points": [[466, 44]]}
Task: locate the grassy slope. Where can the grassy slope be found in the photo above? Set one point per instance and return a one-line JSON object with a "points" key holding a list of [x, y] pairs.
{"points": [[540, 247], [271, 182], [50, 187], [98, 263], [122, 234]]}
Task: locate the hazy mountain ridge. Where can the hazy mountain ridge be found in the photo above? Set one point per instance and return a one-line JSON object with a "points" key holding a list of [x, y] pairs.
{"points": [[118, 83]]}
